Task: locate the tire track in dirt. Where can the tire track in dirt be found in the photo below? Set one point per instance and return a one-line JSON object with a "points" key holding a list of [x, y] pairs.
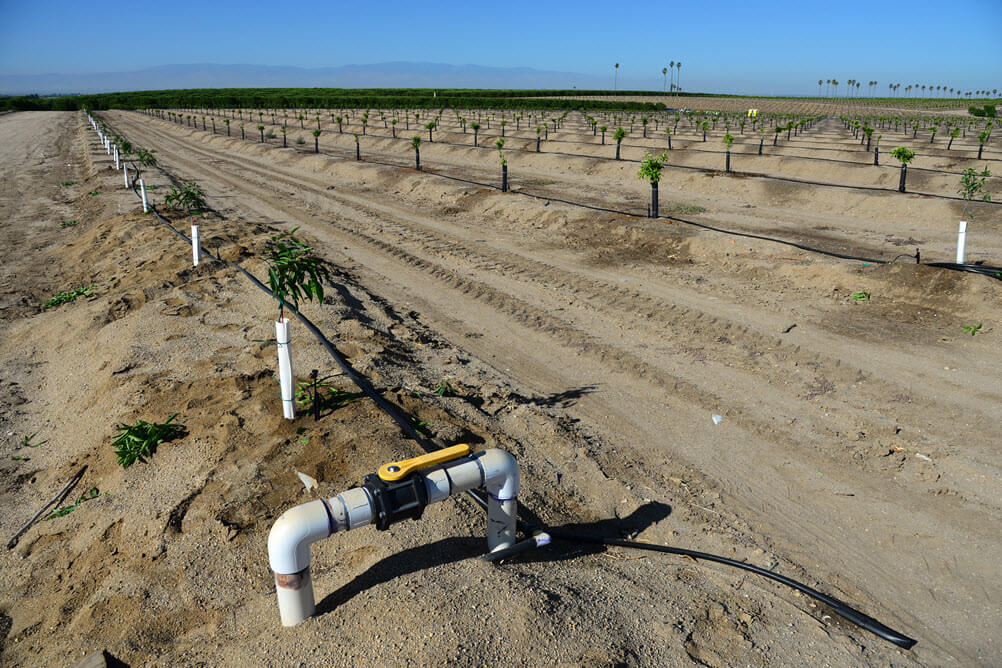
{"points": [[765, 498]]}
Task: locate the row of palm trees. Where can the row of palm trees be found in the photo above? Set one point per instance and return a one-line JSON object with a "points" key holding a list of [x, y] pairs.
{"points": [[664, 72], [853, 87]]}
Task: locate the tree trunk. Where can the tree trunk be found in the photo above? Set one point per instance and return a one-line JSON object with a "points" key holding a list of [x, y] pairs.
{"points": [[775, 137], [761, 141], [669, 142], [603, 139], [867, 144], [285, 141], [654, 200], [475, 137], [980, 148], [429, 135], [504, 178], [316, 144], [950, 144], [727, 164], [617, 150], [876, 155], [227, 130], [358, 151], [538, 138], [242, 135], [262, 136], [704, 135], [417, 159], [904, 171], [394, 129]]}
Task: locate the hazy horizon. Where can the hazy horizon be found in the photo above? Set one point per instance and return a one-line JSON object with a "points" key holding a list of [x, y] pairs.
{"points": [[783, 49]]}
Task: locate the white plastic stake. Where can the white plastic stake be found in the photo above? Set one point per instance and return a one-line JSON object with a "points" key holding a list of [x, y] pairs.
{"points": [[142, 191], [196, 250], [107, 146], [285, 367], [117, 165], [961, 241], [125, 172]]}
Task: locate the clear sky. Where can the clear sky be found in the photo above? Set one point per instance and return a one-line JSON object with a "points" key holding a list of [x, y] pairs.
{"points": [[779, 47]]}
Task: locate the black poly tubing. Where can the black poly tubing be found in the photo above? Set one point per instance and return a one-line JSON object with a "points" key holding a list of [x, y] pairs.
{"points": [[838, 607]]}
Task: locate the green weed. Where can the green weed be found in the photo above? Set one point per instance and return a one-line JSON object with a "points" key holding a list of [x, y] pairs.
{"points": [[66, 184], [138, 441], [66, 297], [69, 223], [26, 442], [861, 296], [973, 329], [446, 390], [92, 493]]}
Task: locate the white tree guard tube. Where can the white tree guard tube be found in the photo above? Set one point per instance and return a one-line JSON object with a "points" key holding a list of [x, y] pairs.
{"points": [[142, 191], [196, 248], [285, 368], [125, 173], [117, 165], [297, 528], [961, 241]]}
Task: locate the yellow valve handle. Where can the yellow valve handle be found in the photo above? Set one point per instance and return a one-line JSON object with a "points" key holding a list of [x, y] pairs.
{"points": [[398, 470]]}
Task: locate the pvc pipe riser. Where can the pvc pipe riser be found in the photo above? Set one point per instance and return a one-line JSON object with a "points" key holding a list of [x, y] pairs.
{"points": [[297, 528], [196, 249], [285, 377]]}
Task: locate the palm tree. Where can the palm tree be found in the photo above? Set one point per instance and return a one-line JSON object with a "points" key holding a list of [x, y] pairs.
{"points": [[664, 73], [416, 143], [615, 80], [678, 76], [819, 87], [671, 66]]}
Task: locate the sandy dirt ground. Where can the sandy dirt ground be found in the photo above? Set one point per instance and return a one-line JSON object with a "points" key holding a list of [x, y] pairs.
{"points": [[857, 447]]}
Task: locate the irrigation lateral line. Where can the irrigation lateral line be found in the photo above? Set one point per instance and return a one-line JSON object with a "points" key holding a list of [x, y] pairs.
{"points": [[838, 607]]}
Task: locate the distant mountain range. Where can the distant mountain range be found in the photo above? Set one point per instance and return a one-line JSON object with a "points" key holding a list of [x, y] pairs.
{"points": [[379, 75]]}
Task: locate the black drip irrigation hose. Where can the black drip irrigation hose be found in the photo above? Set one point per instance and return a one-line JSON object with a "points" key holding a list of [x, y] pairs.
{"points": [[840, 608]]}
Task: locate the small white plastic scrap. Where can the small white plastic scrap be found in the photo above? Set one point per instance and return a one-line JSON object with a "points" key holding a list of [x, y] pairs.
{"points": [[923, 457], [717, 419], [310, 483]]}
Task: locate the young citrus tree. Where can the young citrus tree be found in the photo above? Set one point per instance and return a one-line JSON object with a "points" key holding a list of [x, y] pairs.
{"points": [[227, 122], [650, 171], [728, 140], [905, 156], [416, 143], [504, 164], [603, 130], [476, 130], [618, 136], [260, 129], [972, 188], [316, 140]]}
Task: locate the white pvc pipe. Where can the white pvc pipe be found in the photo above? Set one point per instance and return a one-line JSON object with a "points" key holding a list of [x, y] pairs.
{"points": [[285, 378], [117, 165], [196, 248], [297, 528], [125, 173], [142, 191], [961, 241]]}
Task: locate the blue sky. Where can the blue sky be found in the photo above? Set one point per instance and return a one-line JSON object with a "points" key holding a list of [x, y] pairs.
{"points": [[725, 46]]}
